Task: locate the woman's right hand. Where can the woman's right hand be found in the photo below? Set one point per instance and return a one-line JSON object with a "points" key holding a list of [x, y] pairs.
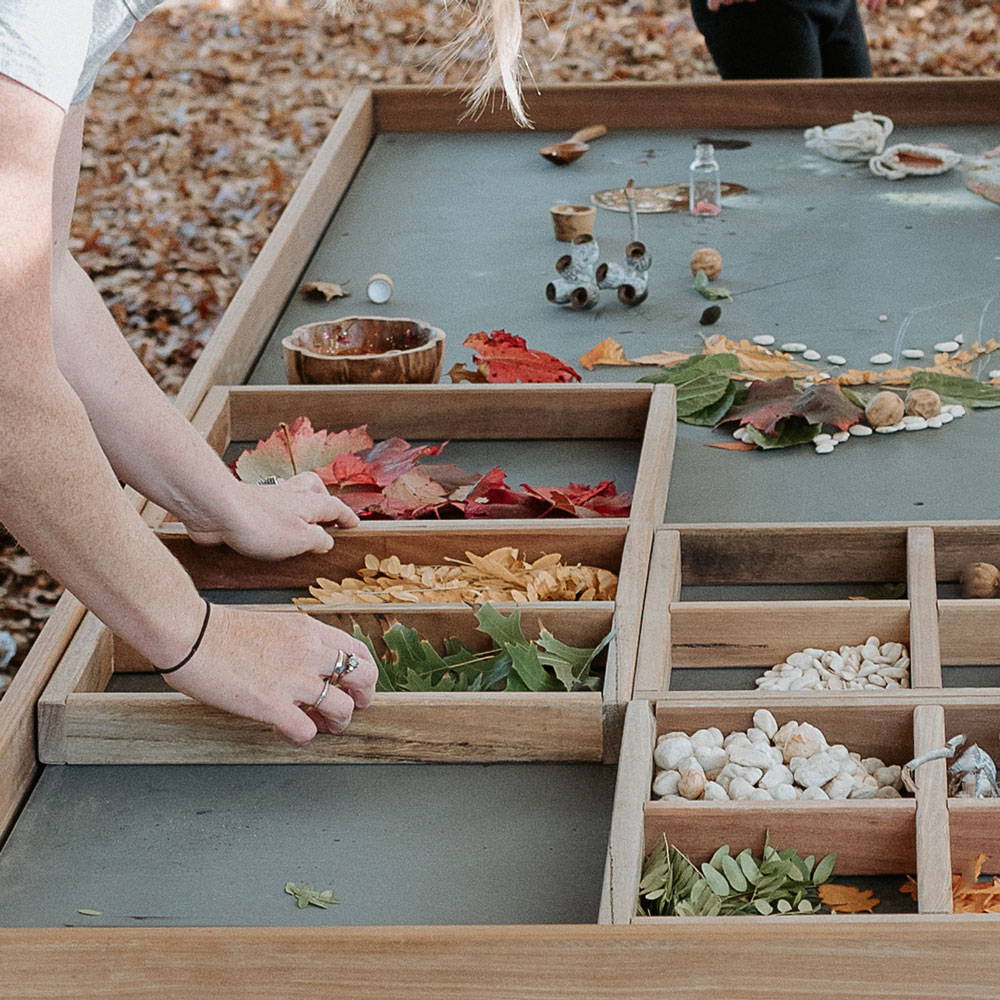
{"points": [[270, 667]]}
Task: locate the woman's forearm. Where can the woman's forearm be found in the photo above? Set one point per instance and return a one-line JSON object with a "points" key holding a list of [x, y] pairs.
{"points": [[148, 442]]}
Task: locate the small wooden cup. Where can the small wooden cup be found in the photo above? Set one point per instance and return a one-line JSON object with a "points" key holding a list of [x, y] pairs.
{"points": [[571, 221], [364, 349]]}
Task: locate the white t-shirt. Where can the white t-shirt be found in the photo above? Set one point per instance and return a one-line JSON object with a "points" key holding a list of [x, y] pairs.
{"points": [[57, 47]]}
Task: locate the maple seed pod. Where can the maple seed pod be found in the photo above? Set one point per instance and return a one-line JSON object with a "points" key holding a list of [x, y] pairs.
{"points": [[708, 260], [980, 580], [923, 403], [885, 409]]}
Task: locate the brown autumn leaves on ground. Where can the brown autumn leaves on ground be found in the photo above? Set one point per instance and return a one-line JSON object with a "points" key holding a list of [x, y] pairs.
{"points": [[202, 124]]}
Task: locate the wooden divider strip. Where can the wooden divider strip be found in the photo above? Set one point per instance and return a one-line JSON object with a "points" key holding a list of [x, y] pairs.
{"points": [[626, 844], [652, 675], [933, 832], [921, 591]]}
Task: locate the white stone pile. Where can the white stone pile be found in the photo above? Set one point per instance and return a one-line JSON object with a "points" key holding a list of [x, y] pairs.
{"points": [[872, 666], [767, 763]]}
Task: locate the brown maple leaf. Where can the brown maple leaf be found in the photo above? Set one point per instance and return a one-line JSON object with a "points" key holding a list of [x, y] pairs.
{"points": [[325, 290], [847, 899], [769, 403]]}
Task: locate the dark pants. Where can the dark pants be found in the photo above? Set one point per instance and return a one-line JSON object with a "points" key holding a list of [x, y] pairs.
{"points": [[785, 39]]}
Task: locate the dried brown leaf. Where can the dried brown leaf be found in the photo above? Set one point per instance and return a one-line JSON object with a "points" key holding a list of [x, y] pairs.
{"points": [[325, 290], [847, 898]]}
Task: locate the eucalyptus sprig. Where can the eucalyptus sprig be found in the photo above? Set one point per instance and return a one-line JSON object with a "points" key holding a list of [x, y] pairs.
{"points": [[777, 882], [306, 895]]}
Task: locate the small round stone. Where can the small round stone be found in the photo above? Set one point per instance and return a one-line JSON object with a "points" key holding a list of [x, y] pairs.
{"points": [[764, 339], [840, 437], [889, 429], [881, 359], [883, 318], [812, 355], [957, 411], [860, 430], [836, 359], [959, 338], [935, 422], [945, 418], [914, 423], [825, 448], [822, 438], [946, 345], [995, 373], [913, 353], [793, 347]]}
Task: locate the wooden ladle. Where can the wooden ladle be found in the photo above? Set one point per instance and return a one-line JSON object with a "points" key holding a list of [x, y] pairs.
{"points": [[561, 153]]}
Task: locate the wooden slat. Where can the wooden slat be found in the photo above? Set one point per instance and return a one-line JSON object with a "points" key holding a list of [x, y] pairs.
{"points": [[86, 665], [763, 633], [662, 589], [701, 105], [18, 762], [970, 632], [921, 591], [975, 830], [959, 543], [869, 837], [623, 867], [447, 728], [891, 957], [932, 829], [591, 541], [450, 412], [260, 299], [652, 484]]}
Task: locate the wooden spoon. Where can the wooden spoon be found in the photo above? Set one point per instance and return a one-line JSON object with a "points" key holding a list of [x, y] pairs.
{"points": [[561, 153]]}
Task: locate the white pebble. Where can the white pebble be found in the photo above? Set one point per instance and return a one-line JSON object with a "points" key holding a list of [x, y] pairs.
{"points": [[812, 355], [816, 771], [881, 359], [822, 375], [960, 338], [946, 418], [947, 346], [785, 793], [761, 794], [995, 373], [764, 339], [766, 722], [670, 752], [758, 737], [740, 433], [914, 423], [913, 353], [825, 448], [957, 411], [889, 429], [822, 438], [935, 422], [780, 775], [814, 793], [749, 756], [665, 783], [860, 430], [740, 788], [840, 437], [836, 359], [711, 758], [793, 347], [714, 792], [707, 737]]}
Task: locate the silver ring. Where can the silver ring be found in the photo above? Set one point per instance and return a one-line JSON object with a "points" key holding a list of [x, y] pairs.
{"points": [[345, 663], [326, 690]]}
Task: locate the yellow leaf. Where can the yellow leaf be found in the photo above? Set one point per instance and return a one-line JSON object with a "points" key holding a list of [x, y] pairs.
{"points": [[847, 899], [607, 352], [756, 361], [665, 359]]}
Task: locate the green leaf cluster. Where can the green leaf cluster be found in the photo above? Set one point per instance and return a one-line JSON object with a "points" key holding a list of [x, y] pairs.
{"points": [[705, 390], [306, 895], [515, 663], [956, 389], [777, 882], [705, 288]]}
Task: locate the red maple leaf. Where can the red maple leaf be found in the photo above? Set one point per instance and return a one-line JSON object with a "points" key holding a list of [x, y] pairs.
{"points": [[296, 447], [506, 357], [768, 403]]}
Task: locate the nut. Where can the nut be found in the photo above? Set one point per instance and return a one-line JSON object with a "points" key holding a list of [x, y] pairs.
{"points": [[923, 403], [708, 260], [885, 409], [980, 580]]}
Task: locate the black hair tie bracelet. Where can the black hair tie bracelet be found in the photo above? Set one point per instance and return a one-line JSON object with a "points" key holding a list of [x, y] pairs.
{"points": [[194, 648]]}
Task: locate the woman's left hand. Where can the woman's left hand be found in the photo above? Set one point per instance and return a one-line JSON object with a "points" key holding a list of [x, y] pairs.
{"points": [[275, 522]]}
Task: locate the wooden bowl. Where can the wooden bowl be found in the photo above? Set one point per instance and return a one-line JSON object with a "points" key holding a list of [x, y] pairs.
{"points": [[364, 349]]}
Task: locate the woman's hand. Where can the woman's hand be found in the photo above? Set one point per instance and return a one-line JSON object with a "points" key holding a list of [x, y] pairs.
{"points": [[270, 667], [274, 522]]}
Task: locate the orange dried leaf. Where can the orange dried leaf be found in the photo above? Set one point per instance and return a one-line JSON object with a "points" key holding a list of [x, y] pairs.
{"points": [[758, 362], [733, 446], [325, 290], [607, 352], [665, 359], [847, 899]]}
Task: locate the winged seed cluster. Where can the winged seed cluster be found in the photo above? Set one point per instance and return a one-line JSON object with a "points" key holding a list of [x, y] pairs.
{"points": [[500, 575]]}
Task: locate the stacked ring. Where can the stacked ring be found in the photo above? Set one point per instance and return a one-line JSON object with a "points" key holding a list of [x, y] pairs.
{"points": [[344, 664]]}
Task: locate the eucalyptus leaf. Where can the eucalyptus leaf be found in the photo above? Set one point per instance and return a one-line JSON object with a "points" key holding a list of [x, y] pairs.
{"points": [[748, 866], [713, 292], [763, 907], [734, 874], [715, 879], [957, 389], [306, 895], [716, 859], [783, 906], [824, 869]]}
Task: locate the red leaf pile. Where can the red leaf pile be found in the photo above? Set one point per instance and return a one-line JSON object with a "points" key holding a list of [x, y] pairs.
{"points": [[385, 481], [505, 357]]}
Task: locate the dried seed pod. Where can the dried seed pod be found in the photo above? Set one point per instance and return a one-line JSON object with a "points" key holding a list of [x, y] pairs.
{"points": [[884, 409], [923, 403], [710, 315], [980, 580], [708, 260]]}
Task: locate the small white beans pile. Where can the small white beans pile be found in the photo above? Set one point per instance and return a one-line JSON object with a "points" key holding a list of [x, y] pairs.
{"points": [[870, 666]]}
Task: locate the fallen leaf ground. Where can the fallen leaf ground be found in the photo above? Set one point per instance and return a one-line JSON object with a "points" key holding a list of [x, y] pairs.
{"points": [[202, 124]]}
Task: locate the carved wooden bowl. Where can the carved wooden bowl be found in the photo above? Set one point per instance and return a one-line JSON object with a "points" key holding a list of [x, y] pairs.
{"points": [[364, 349]]}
